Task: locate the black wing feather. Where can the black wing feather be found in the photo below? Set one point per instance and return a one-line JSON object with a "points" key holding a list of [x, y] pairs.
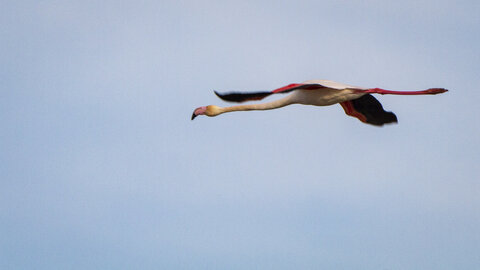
{"points": [[371, 108], [241, 97]]}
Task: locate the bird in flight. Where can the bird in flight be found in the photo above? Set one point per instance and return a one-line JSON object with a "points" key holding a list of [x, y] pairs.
{"points": [[356, 101]]}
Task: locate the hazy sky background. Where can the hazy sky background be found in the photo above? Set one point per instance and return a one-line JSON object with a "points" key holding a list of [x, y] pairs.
{"points": [[101, 167]]}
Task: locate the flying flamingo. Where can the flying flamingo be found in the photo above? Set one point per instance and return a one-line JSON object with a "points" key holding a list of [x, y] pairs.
{"points": [[356, 101]]}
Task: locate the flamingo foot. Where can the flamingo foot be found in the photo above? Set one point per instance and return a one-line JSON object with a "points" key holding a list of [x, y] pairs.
{"points": [[434, 91]]}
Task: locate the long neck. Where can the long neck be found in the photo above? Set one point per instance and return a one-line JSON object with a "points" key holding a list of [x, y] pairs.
{"points": [[259, 107]]}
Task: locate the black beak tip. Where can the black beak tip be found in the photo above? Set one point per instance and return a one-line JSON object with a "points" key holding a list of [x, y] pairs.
{"points": [[193, 116]]}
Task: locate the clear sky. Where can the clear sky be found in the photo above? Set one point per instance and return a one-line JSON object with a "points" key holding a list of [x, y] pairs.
{"points": [[101, 167]]}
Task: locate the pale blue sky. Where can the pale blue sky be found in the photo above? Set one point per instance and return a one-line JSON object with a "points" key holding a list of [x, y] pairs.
{"points": [[101, 167]]}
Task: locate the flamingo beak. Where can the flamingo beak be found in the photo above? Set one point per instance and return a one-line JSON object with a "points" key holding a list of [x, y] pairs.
{"points": [[199, 111]]}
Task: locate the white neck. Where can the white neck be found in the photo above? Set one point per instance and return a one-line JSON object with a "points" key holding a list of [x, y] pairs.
{"points": [[259, 107]]}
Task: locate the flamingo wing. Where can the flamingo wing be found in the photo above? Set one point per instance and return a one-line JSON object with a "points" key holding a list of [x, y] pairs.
{"points": [[242, 97], [368, 110]]}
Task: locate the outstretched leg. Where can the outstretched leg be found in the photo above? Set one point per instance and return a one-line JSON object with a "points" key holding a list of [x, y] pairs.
{"points": [[431, 91]]}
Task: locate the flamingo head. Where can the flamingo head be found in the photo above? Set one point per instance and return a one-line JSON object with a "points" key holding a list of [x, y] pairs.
{"points": [[209, 110]]}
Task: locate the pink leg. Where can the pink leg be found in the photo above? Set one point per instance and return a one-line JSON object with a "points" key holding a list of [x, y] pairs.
{"points": [[431, 91]]}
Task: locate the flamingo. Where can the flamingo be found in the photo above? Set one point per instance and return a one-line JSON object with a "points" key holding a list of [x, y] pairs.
{"points": [[356, 101]]}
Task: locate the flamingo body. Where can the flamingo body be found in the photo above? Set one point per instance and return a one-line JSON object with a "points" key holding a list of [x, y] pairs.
{"points": [[356, 101]]}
